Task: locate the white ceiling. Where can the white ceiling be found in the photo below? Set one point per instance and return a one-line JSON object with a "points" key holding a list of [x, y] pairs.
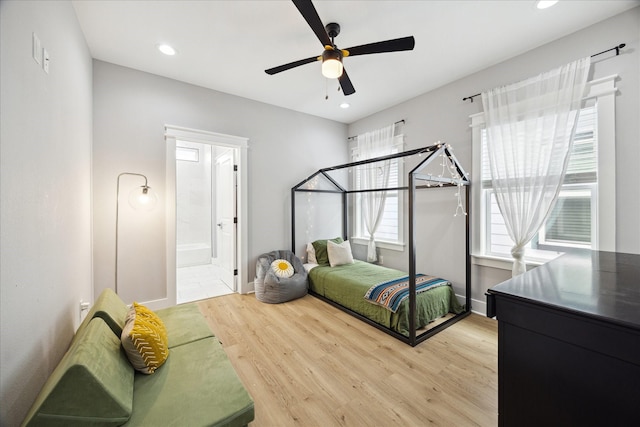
{"points": [[227, 45]]}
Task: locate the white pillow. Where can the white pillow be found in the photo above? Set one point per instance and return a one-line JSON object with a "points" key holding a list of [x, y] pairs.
{"points": [[282, 268], [339, 253], [309, 266], [311, 254]]}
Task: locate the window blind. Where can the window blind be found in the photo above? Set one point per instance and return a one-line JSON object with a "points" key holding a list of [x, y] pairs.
{"points": [[583, 160]]}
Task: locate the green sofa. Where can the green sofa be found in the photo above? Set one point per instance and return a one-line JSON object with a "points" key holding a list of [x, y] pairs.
{"points": [[95, 385]]}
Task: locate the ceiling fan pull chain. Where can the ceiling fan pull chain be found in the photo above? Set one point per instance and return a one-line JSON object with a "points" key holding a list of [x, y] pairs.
{"points": [[326, 89]]}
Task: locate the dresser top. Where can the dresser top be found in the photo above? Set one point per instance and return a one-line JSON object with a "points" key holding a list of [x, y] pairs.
{"points": [[604, 285]]}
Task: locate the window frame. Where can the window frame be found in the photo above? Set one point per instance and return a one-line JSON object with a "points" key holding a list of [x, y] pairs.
{"points": [[603, 90], [568, 189]]}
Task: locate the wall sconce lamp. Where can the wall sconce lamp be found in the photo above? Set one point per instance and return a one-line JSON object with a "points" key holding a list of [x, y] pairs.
{"points": [[140, 198]]}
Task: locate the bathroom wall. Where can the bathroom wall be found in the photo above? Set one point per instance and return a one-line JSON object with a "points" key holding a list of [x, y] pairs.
{"points": [[195, 210]]}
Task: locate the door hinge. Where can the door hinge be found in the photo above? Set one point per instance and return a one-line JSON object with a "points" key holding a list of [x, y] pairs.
{"points": [[235, 168], [235, 272], [235, 220]]}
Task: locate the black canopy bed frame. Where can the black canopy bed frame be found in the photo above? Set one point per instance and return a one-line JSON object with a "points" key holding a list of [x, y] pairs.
{"points": [[418, 180]]}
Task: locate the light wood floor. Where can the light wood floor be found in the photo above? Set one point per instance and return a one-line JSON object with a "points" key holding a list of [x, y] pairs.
{"points": [[305, 363]]}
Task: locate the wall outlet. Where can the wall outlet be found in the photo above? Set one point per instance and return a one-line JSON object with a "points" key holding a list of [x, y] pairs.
{"points": [[84, 308]]}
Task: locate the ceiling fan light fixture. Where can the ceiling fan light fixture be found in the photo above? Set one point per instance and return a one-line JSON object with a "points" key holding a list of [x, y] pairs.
{"points": [[332, 63]]}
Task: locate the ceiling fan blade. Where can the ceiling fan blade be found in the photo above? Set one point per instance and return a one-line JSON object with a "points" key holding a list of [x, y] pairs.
{"points": [[395, 45], [310, 15], [290, 65], [345, 83]]}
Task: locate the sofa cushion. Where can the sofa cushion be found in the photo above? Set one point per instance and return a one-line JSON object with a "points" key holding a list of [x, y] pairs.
{"points": [[201, 378], [92, 384], [185, 323], [144, 339]]}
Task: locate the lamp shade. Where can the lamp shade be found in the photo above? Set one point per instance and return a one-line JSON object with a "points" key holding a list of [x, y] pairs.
{"points": [[143, 198], [332, 64]]}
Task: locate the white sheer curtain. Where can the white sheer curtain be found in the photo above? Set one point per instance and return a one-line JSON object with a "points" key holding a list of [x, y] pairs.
{"points": [[374, 175], [530, 128]]}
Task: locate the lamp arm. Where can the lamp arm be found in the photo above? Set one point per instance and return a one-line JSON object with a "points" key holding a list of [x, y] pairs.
{"points": [[117, 212]]}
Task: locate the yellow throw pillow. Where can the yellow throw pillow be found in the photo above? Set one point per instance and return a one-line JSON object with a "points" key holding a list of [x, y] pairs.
{"points": [[144, 339]]}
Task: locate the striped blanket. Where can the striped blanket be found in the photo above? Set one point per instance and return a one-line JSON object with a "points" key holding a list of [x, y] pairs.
{"points": [[390, 294]]}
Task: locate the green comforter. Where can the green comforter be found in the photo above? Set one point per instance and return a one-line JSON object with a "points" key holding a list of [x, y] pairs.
{"points": [[347, 285]]}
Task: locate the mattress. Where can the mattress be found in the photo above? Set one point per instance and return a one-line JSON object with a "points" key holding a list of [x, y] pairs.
{"points": [[347, 285]]}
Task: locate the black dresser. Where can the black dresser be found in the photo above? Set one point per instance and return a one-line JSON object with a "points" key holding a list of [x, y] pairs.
{"points": [[569, 342]]}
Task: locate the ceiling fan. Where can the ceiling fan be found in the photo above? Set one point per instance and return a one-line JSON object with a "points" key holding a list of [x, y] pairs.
{"points": [[331, 57]]}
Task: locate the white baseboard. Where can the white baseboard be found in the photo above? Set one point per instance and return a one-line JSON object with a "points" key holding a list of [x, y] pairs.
{"points": [[477, 306], [251, 288]]}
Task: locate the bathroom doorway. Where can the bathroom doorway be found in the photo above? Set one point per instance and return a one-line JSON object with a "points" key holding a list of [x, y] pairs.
{"points": [[205, 221]]}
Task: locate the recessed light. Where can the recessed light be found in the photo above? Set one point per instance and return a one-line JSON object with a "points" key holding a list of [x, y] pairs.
{"points": [[544, 4], [345, 105], [166, 49]]}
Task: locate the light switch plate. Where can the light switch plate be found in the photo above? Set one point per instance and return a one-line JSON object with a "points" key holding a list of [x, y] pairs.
{"points": [[37, 49], [45, 60]]}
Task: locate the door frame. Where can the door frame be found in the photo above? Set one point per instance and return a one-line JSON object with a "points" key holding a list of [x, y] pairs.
{"points": [[240, 144]]}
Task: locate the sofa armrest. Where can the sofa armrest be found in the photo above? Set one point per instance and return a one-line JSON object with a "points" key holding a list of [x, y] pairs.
{"points": [[92, 384], [110, 308]]}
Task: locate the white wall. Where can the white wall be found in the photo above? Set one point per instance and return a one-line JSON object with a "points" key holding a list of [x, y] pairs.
{"points": [[442, 115], [45, 211], [131, 109], [46, 158]]}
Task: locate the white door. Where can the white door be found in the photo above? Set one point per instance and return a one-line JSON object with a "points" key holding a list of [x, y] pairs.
{"points": [[226, 216]]}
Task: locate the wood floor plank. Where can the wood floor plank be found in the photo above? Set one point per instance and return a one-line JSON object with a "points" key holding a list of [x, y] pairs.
{"points": [[306, 363]]}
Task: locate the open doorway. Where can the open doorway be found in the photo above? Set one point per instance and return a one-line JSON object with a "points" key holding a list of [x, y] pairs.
{"points": [[205, 221], [233, 157]]}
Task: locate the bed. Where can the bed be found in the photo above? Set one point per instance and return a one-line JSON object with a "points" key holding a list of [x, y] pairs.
{"points": [[347, 285], [328, 196]]}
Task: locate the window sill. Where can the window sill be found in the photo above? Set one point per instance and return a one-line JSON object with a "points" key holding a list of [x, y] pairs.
{"points": [[503, 263], [393, 246]]}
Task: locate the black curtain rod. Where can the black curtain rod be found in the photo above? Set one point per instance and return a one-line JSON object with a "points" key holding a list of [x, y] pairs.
{"points": [[617, 49], [396, 123]]}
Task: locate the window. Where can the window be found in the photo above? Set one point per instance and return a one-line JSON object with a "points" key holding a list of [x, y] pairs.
{"points": [[571, 221], [187, 154], [584, 215], [390, 230], [569, 224]]}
